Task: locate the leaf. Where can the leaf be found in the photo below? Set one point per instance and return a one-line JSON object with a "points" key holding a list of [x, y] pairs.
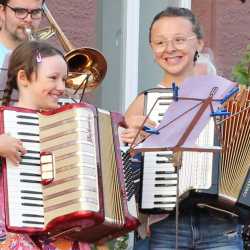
{"points": [[241, 71]]}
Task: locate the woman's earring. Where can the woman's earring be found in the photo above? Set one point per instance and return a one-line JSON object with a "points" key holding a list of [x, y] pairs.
{"points": [[196, 55]]}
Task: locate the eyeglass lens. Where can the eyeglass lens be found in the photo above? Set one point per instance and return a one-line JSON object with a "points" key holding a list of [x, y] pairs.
{"points": [[23, 13]]}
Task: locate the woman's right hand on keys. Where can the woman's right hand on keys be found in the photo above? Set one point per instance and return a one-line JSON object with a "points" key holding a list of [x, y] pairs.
{"points": [[134, 123], [11, 148]]}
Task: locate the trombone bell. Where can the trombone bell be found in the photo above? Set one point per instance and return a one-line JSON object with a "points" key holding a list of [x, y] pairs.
{"points": [[87, 68]]}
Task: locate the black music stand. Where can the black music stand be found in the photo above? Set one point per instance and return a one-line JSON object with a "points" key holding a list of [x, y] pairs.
{"points": [[200, 97]]}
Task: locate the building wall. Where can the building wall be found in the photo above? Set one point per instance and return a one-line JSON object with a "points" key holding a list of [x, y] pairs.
{"points": [[77, 19], [226, 24]]}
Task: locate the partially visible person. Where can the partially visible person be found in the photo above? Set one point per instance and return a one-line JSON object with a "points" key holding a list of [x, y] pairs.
{"points": [[204, 65], [15, 17], [176, 39], [38, 72]]}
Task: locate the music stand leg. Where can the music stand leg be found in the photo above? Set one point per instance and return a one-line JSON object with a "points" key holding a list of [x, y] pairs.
{"points": [[177, 210]]}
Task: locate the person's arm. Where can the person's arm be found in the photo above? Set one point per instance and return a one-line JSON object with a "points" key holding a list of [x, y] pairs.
{"points": [[134, 115], [134, 118]]}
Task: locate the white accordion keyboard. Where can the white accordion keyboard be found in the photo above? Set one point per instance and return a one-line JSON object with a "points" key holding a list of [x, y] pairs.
{"points": [[159, 178], [25, 199]]}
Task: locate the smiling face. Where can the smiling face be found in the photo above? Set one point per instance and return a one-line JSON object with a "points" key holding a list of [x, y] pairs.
{"points": [[13, 28], [178, 44], [45, 87]]}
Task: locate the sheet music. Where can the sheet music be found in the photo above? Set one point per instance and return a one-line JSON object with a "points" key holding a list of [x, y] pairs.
{"points": [[193, 87]]}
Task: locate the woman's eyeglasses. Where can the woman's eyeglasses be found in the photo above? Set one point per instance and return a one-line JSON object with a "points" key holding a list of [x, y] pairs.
{"points": [[178, 42], [22, 13]]}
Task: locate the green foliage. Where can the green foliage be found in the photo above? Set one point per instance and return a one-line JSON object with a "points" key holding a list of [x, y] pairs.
{"points": [[120, 243], [241, 71]]}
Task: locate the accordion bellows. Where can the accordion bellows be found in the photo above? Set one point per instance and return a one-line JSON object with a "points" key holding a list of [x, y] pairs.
{"points": [[235, 156], [218, 181]]}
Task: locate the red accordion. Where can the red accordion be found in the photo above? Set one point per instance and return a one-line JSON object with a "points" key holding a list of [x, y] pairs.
{"points": [[72, 180]]}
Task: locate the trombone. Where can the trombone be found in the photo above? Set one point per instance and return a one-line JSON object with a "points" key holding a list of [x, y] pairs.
{"points": [[87, 66]]}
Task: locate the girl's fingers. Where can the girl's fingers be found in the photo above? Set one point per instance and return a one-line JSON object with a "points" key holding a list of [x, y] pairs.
{"points": [[18, 156], [14, 159], [22, 150], [19, 143]]}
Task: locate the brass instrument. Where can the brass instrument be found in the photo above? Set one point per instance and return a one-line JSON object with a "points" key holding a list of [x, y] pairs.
{"points": [[87, 66], [41, 34], [29, 34]]}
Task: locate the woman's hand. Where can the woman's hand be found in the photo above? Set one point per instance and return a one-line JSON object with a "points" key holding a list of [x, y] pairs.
{"points": [[11, 148], [128, 135], [136, 121]]}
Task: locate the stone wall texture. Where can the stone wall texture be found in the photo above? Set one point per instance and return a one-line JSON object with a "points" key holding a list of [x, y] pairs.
{"points": [[227, 30], [77, 19]]}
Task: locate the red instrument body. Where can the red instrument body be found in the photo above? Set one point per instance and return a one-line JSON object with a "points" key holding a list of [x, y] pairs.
{"points": [[83, 225]]}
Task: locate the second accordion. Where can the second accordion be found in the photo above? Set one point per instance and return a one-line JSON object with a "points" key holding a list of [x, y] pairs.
{"points": [[218, 180]]}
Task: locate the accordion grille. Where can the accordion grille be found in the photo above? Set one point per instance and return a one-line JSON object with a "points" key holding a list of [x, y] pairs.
{"points": [[235, 156], [111, 188]]}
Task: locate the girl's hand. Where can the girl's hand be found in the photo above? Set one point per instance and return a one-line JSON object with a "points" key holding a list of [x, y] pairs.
{"points": [[11, 148]]}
